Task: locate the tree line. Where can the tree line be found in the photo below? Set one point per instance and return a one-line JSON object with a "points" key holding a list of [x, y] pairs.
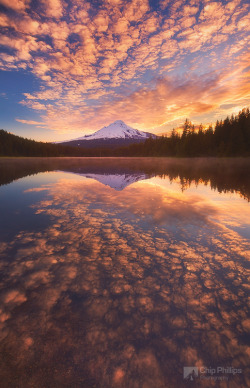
{"points": [[12, 145], [229, 138]]}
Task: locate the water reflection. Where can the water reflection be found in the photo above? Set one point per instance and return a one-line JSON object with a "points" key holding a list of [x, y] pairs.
{"points": [[123, 288], [222, 174]]}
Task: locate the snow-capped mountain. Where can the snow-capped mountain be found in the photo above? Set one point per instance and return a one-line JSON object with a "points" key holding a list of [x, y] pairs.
{"points": [[117, 130], [115, 134]]}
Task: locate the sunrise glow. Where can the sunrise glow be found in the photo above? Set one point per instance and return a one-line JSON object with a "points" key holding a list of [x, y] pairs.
{"points": [[70, 67]]}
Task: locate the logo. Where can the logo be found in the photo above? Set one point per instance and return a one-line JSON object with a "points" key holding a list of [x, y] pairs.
{"points": [[190, 373], [219, 373]]}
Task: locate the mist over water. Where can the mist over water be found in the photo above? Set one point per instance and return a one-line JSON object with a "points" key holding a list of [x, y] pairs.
{"points": [[121, 272]]}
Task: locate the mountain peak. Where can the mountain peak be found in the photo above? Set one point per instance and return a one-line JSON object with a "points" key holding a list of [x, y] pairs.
{"points": [[119, 122], [117, 130]]}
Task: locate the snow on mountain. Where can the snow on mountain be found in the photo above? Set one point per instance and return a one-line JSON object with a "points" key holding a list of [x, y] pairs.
{"points": [[116, 130]]}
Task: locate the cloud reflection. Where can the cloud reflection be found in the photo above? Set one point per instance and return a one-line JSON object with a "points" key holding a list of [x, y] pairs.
{"points": [[122, 289]]}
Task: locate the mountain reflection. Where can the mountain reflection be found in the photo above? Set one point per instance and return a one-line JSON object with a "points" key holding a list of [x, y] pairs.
{"points": [[122, 289], [222, 174], [117, 181]]}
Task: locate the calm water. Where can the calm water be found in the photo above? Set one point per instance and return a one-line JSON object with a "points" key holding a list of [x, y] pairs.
{"points": [[120, 273]]}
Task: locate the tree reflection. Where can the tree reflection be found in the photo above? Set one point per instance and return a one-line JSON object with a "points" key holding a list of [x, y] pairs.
{"points": [[222, 174]]}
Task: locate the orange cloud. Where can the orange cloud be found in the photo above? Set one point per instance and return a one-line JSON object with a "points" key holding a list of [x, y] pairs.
{"points": [[30, 122], [52, 8], [17, 5], [114, 55]]}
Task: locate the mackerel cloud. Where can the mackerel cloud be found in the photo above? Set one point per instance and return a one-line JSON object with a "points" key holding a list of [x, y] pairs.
{"points": [[112, 59]]}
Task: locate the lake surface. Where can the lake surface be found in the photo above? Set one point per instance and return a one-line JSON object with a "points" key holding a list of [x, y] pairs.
{"points": [[121, 272]]}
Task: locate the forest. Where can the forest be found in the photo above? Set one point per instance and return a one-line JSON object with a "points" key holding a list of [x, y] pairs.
{"points": [[12, 145], [229, 138]]}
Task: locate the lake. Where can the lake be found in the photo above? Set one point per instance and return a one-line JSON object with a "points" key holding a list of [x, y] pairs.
{"points": [[128, 273]]}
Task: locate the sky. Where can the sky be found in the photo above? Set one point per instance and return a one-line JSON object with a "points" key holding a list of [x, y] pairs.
{"points": [[70, 67]]}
